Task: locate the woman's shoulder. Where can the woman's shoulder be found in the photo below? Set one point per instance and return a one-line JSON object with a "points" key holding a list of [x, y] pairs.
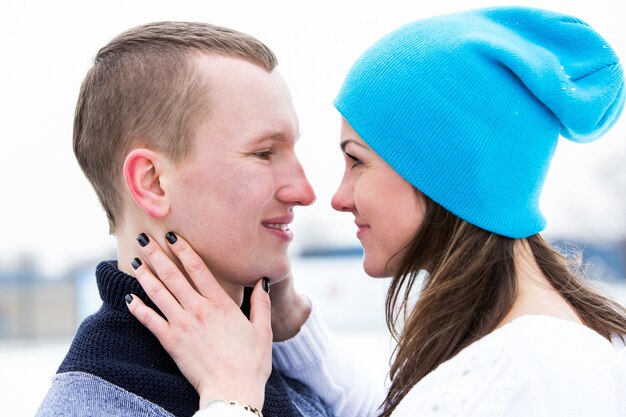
{"points": [[525, 364], [480, 380], [536, 341], [547, 343]]}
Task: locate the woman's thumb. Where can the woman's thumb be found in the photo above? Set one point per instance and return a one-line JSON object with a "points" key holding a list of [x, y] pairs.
{"points": [[261, 308]]}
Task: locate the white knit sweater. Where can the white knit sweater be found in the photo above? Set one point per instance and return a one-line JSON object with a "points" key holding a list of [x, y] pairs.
{"points": [[535, 366]]}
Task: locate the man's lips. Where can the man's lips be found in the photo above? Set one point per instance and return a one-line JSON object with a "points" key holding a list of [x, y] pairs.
{"points": [[279, 223], [280, 226]]}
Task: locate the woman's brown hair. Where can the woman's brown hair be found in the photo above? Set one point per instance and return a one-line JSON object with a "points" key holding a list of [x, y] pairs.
{"points": [[470, 287]]}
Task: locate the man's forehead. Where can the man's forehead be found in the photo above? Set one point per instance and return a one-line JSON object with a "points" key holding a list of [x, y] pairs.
{"points": [[218, 67]]}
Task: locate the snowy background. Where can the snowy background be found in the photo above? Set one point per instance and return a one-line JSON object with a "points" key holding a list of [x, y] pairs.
{"points": [[49, 214], [49, 211]]}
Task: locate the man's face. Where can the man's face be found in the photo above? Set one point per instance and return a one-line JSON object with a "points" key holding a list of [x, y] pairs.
{"points": [[233, 197]]}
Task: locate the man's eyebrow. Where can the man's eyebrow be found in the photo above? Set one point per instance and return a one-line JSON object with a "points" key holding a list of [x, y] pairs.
{"points": [[275, 137]]}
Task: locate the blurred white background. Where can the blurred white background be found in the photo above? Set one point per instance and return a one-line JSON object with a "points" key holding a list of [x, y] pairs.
{"points": [[48, 209], [49, 214]]}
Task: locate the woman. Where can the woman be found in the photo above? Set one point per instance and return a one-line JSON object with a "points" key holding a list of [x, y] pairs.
{"points": [[448, 128]]}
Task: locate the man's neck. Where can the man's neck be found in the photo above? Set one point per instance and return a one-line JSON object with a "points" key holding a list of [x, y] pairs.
{"points": [[128, 249]]}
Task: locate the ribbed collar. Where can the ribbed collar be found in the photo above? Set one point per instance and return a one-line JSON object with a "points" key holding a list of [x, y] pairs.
{"points": [[114, 284]]}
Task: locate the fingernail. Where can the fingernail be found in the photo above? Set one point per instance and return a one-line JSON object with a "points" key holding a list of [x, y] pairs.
{"points": [[128, 298], [143, 239], [266, 284], [136, 263], [171, 237]]}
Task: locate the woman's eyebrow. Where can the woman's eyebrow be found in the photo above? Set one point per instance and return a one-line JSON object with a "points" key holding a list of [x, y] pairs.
{"points": [[344, 143]]}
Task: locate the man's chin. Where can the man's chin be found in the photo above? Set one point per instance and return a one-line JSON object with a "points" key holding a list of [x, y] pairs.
{"points": [[275, 274]]}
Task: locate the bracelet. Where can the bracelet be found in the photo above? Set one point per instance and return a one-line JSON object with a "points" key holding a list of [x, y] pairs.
{"points": [[221, 403], [246, 407]]}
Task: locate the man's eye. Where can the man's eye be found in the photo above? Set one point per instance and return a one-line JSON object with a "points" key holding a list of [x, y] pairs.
{"points": [[263, 154]]}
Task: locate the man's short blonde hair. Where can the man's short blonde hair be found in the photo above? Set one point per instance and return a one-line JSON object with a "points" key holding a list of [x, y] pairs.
{"points": [[143, 91]]}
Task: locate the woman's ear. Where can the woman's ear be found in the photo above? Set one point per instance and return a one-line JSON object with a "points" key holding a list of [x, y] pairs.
{"points": [[142, 176]]}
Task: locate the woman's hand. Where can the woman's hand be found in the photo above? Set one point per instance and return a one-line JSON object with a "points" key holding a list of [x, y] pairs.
{"points": [[220, 352], [290, 309]]}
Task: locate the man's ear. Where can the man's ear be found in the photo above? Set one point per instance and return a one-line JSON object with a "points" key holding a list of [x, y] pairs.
{"points": [[142, 176]]}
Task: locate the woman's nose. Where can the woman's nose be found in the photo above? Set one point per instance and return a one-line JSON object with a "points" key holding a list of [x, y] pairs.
{"points": [[342, 199]]}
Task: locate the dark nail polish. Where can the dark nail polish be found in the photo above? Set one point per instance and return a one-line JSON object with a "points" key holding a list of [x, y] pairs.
{"points": [[136, 263], [266, 285], [143, 239], [171, 237], [128, 298]]}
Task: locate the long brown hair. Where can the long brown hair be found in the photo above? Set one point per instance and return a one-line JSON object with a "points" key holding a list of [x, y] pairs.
{"points": [[470, 287]]}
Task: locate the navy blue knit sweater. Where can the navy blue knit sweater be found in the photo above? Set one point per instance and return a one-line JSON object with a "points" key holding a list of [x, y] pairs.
{"points": [[113, 345]]}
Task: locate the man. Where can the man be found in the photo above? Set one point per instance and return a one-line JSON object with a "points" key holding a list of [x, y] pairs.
{"points": [[186, 127]]}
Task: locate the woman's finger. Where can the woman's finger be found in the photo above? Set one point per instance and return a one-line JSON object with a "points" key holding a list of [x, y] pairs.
{"points": [[156, 291], [168, 273], [195, 267], [205, 333], [148, 317], [261, 309]]}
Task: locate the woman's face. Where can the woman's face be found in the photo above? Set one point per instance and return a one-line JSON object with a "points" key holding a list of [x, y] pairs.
{"points": [[387, 209]]}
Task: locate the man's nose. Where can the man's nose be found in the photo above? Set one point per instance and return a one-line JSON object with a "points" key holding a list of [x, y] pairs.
{"points": [[299, 190]]}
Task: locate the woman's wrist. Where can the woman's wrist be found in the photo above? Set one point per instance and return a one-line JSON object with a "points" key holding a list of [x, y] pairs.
{"points": [[233, 408], [252, 395], [289, 316]]}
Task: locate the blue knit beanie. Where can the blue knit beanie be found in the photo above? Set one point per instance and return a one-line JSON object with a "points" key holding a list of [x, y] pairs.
{"points": [[468, 107]]}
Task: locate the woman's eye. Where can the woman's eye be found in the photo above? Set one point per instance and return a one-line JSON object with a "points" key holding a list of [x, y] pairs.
{"points": [[356, 161], [265, 154]]}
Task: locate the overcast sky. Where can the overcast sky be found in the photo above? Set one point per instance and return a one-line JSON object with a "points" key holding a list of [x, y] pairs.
{"points": [[48, 209]]}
